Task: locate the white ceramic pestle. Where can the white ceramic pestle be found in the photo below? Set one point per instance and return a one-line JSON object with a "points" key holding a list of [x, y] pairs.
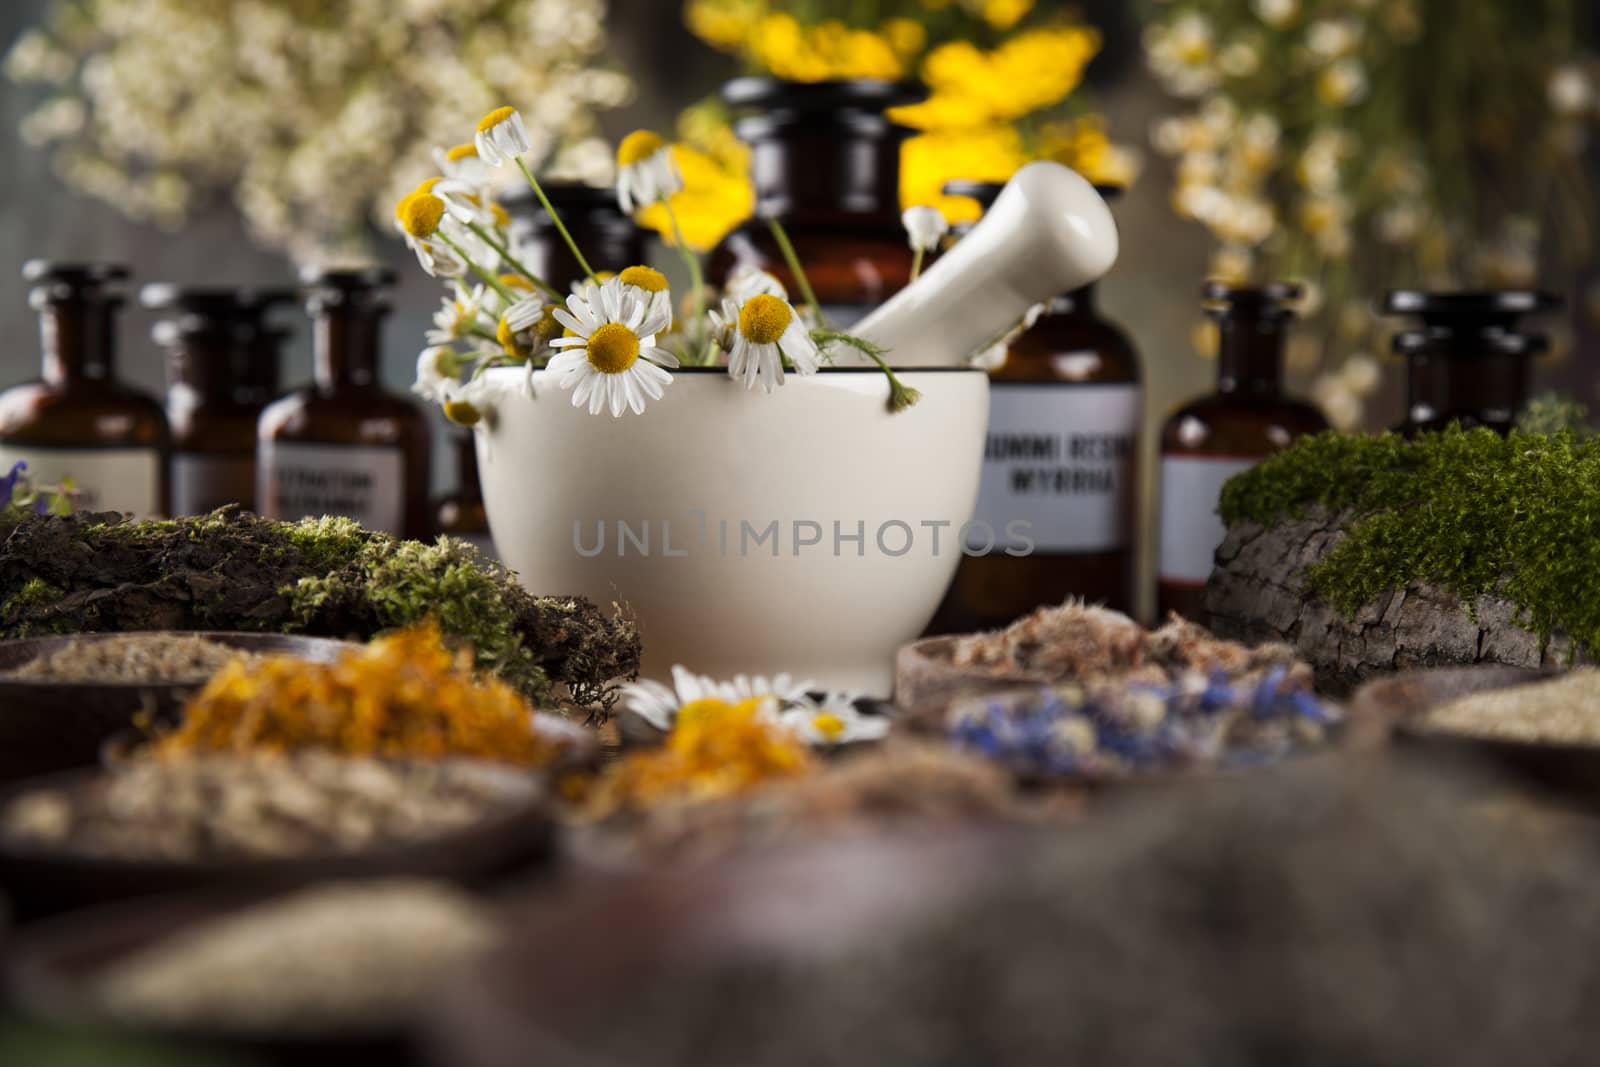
{"points": [[1048, 233]]}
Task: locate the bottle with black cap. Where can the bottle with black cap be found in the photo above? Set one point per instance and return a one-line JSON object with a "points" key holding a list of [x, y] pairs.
{"points": [[214, 340], [462, 513], [1055, 514], [609, 239], [344, 445], [78, 422], [1469, 362], [825, 161], [1208, 441]]}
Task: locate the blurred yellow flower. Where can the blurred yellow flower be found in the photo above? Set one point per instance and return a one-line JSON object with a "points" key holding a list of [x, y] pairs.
{"points": [[828, 50], [1004, 14], [1083, 144], [717, 194], [985, 154], [1033, 70]]}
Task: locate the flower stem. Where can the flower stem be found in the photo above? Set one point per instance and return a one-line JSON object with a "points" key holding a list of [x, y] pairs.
{"points": [[538, 191], [901, 396], [505, 254], [792, 260], [916, 263], [698, 279], [488, 279]]}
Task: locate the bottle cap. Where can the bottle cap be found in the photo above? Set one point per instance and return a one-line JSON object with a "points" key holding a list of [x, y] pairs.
{"points": [[40, 271], [1499, 304], [856, 104], [1490, 340], [348, 279], [1273, 300]]}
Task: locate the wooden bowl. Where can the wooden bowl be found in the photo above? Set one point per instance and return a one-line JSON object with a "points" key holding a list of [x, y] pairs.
{"points": [[44, 881], [53, 966], [49, 726], [926, 679], [1567, 772]]}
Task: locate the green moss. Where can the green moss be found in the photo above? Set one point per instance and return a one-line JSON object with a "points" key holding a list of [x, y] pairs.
{"points": [[235, 571], [1468, 511], [403, 582]]}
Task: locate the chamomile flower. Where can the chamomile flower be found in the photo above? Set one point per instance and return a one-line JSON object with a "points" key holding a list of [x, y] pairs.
{"points": [[466, 203], [648, 286], [646, 173], [766, 331], [467, 404], [502, 136], [457, 317], [462, 163], [747, 281], [925, 227], [525, 312], [832, 720], [659, 704], [611, 359], [438, 368]]}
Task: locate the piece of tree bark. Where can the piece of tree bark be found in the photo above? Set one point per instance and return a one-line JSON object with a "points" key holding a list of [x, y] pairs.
{"points": [[1257, 592], [234, 571]]}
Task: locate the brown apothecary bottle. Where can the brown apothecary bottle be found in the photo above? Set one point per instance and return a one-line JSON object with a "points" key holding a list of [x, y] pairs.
{"points": [[78, 422], [1208, 441], [825, 161], [1065, 411], [222, 368], [461, 513], [1468, 363], [610, 241], [344, 445]]}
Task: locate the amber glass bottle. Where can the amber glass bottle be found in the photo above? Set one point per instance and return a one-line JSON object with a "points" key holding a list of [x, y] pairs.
{"points": [[1469, 362], [214, 391], [825, 161], [344, 445], [1062, 458], [1208, 441], [609, 239], [78, 422], [461, 513]]}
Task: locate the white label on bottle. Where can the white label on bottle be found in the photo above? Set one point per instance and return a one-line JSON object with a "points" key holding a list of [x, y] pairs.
{"points": [[107, 479], [1058, 468], [362, 482], [202, 483], [1191, 529]]}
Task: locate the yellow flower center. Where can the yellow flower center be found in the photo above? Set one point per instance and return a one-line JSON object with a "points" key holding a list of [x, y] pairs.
{"points": [[547, 327], [507, 338], [427, 185], [638, 146], [764, 318], [495, 118], [420, 214], [646, 278], [516, 281], [699, 711], [462, 151], [828, 725], [462, 412], [502, 217], [613, 348]]}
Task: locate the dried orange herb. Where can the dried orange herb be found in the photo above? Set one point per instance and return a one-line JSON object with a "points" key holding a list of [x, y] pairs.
{"points": [[405, 695], [715, 749]]}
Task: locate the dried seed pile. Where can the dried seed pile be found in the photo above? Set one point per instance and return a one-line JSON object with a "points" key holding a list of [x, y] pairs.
{"points": [[256, 808], [155, 657], [330, 960], [1563, 711]]}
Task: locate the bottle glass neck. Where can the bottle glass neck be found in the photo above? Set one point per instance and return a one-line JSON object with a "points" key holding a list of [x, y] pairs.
{"points": [[1489, 388], [467, 467], [821, 175], [1250, 355], [78, 340], [346, 348]]}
